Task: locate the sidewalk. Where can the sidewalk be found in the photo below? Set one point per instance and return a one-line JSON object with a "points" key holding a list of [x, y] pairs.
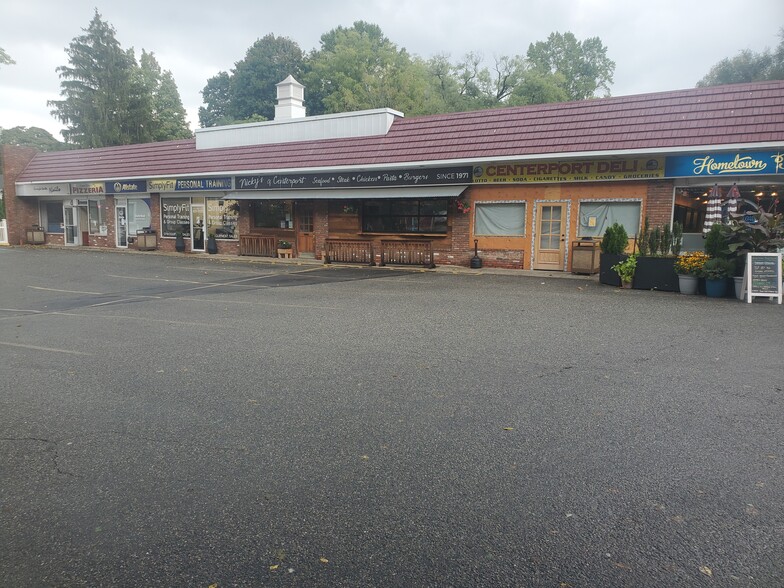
{"points": [[312, 262]]}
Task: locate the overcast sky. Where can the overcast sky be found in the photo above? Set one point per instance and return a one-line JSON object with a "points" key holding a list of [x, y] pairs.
{"points": [[659, 45]]}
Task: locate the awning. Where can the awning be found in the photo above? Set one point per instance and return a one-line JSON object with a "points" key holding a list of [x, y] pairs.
{"points": [[349, 194]]}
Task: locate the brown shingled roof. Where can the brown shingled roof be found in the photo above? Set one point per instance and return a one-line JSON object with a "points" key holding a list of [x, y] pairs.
{"points": [[720, 115]]}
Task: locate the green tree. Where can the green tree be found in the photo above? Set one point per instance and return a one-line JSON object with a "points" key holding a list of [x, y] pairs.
{"points": [[5, 59], [747, 66], [539, 88], [99, 90], [108, 99], [267, 62], [168, 113], [216, 99], [36, 137], [359, 68], [583, 65]]}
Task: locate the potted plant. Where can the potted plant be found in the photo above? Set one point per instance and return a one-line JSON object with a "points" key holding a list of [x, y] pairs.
{"points": [[688, 267], [716, 271], [655, 267], [614, 244], [212, 244], [284, 249], [179, 242], [625, 270]]}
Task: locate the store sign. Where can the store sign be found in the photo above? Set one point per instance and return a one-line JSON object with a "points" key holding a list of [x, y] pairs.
{"points": [[126, 186], [375, 179], [719, 164], [194, 184], [166, 185], [88, 189], [587, 170], [43, 190]]}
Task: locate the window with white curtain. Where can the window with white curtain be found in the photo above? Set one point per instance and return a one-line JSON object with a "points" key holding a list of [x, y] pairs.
{"points": [[595, 217], [500, 219]]}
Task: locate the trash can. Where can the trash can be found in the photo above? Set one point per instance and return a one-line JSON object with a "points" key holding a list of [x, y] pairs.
{"points": [[585, 256], [35, 235], [146, 239]]}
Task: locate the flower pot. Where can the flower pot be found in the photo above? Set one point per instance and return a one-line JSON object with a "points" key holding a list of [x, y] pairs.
{"points": [[656, 273], [738, 287], [284, 253], [179, 243], [628, 285], [716, 288], [212, 245], [607, 275], [687, 284]]}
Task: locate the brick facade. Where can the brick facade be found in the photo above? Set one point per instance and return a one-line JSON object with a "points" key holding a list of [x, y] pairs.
{"points": [[21, 213]]}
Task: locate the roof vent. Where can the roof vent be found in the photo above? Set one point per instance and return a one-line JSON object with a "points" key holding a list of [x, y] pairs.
{"points": [[291, 99]]}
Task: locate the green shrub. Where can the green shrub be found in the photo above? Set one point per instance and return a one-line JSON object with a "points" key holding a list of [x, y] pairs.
{"points": [[716, 241], [615, 239]]}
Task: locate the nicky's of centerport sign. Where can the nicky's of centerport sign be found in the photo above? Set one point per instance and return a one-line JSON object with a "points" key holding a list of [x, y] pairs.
{"points": [[719, 164]]}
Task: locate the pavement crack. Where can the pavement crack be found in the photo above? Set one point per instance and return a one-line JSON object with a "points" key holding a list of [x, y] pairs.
{"points": [[51, 446]]}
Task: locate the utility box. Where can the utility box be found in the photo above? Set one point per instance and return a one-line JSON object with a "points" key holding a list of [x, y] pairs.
{"points": [[585, 256], [146, 240]]}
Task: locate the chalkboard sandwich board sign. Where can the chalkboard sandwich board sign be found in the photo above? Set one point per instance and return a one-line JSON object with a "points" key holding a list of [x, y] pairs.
{"points": [[762, 277]]}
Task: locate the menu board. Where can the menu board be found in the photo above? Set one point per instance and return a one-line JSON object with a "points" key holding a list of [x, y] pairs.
{"points": [[763, 277]]}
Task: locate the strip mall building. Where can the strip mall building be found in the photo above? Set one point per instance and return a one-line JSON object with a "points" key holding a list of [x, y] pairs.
{"points": [[523, 184]]}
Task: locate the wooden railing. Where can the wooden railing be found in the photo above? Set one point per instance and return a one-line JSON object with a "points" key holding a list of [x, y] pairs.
{"points": [[407, 253], [258, 245], [348, 251]]}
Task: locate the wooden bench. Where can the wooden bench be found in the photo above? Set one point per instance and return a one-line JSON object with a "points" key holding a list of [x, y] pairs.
{"points": [[258, 245], [348, 251], [407, 253]]}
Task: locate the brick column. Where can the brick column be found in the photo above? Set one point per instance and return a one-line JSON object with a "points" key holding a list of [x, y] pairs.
{"points": [[320, 226], [659, 202], [20, 212]]}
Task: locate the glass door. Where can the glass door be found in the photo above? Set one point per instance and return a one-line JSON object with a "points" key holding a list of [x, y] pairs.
{"points": [[71, 224], [197, 224], [122, 224], [550, 239]]}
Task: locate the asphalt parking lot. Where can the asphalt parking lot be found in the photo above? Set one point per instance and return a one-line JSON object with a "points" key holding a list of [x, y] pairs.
{"points": [[187, 421]]}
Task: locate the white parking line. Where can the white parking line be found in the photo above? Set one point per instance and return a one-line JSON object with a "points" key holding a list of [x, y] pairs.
{"points": [[37, 348], [66, 291]]}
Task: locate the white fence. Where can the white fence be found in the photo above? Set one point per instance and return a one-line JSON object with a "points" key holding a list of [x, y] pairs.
{"points": [[3, 232]]}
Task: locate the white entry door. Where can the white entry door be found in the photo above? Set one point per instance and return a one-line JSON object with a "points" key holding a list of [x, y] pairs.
{"points": [[71, 224]]}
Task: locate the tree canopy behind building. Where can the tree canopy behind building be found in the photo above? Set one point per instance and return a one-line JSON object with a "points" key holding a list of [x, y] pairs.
{"points": [[358, 67], [109, 99], [748, 66]]}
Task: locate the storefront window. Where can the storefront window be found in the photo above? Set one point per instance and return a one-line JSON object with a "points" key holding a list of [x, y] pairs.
{"points": [[96, 217], [223, 217], [500, 219], [52, 216], [405, 216], [272, 214], [175, 217], [595, 217]]}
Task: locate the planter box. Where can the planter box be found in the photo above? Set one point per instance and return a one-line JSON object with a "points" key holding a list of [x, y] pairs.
{"points": [[607, 275], [656, 273]]}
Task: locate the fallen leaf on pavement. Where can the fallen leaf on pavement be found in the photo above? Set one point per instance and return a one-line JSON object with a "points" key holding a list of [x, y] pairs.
{"points": [[707, 571], [323, 560]]}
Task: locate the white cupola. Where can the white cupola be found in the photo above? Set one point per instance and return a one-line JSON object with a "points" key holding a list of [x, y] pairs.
{"points": [[291, 99]]}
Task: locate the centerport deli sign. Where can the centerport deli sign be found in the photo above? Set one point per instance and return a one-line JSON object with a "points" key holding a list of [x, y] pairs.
{"points": [[557, 171]]}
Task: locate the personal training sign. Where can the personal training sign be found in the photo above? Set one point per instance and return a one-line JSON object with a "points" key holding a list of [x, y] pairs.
{"points": [[718, 164], [588, 170]]}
